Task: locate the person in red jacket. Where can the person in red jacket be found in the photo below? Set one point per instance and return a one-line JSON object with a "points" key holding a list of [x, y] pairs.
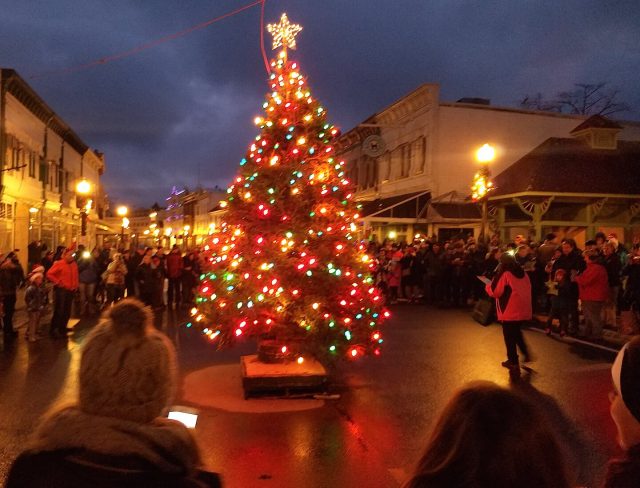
{"points": [[512, 290], [64, 276], [174, 267], [593, 286]]}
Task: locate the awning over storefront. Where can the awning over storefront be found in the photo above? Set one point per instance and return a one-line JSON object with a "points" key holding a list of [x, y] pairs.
{"points": [[452, 207], [407, 206]]}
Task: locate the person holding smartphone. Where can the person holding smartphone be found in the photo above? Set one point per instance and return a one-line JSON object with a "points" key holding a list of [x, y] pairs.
{"points": [[116, 434]]}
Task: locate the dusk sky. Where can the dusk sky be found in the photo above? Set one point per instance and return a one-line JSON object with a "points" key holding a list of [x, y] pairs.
{"points": [[181, 113]]}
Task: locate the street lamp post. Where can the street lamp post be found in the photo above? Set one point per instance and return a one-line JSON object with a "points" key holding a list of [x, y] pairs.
{"points": [[122, 212], [482, 184], [83, 188]]}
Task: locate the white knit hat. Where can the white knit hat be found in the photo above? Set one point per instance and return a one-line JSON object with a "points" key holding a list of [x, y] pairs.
{"points": [[128, 368]]}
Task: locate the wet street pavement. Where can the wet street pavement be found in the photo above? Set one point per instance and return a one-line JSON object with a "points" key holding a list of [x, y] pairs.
{"points": [[371, 435]]}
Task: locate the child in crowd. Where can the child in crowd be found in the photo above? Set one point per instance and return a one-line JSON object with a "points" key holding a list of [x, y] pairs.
{"points": [[36, 300], [559, 292], [394, 277]]}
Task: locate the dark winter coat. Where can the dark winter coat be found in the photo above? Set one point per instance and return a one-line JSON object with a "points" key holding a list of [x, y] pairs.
{"points": [[35, 298], [632, 289], [433, 263], [562, 301], [81, 469], [11, 276], [613, 266], [73, 449], [570, 262], [88, 270], [624, 473]]}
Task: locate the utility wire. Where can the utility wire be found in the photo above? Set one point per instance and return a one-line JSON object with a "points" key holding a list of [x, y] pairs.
{"points": [[262, 50], [145, 46]]}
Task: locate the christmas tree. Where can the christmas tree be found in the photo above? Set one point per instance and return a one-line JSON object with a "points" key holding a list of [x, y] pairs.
{"points": [[286, 263]]}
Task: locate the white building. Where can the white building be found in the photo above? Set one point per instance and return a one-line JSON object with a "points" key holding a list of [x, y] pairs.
{"points": [[41, 161], [420, 151]]}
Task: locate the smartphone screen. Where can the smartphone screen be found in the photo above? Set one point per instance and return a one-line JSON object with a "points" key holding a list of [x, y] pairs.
{"points": [[187, 419]]}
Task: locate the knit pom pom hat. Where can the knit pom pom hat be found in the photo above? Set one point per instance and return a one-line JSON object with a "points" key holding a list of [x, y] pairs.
{"points": [[127, 368]]}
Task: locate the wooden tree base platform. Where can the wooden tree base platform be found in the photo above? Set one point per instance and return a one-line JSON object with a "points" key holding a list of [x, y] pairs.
{"points": [[282, 379]]}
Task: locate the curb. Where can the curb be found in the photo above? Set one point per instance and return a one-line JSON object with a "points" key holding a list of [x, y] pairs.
{"points": [[613, 341]]}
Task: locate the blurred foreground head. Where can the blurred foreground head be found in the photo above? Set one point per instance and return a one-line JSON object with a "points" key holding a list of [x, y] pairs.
{"points": [[491, 437], [127, 369]]}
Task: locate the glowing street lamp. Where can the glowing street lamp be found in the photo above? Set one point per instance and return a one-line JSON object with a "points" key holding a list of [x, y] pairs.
{"points": [[83, 189], [482, 183], [122, 211]]}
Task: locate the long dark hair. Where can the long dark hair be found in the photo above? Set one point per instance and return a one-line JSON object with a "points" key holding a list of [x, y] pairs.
{"points": [[491, 437]]}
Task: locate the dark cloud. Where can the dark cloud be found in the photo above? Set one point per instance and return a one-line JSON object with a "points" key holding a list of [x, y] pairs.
{"points": [[181, 113]]}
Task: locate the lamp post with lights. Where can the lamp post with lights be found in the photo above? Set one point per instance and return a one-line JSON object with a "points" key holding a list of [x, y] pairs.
{"points": [[83, 202], [122, 212], [482, 184]]}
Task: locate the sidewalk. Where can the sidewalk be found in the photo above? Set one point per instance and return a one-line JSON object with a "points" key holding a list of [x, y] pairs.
{"points": [[20, 317], [611, 340]]}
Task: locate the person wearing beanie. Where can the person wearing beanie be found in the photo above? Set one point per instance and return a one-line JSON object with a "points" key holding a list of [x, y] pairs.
{"points": [[512, 290], [625, 412], [115, 434]]}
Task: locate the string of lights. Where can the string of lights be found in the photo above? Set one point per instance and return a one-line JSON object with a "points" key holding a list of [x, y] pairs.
{"points": [[145, 46], [286, 263]]}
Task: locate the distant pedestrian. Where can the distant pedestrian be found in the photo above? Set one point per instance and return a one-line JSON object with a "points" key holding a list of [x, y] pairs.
{"points": [[115, 279], [133, 261], [88, 277], [11, 277], [613, 265], [190, 275], [572, 262], [593, 292], [491, 437], [174, 265], [64, 276], [625, 411], [115, 435], [150, 276], [512, 290], [559, 293]]}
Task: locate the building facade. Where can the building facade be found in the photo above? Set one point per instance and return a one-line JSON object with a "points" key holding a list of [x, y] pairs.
{"points": [[41, 161], [414, 161]]}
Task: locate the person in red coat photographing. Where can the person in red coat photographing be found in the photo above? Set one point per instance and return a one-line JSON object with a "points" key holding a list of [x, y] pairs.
{"points": [[512, 290]]}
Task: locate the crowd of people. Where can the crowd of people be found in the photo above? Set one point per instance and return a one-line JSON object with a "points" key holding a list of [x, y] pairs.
{"points": [[116, 434], [93, 280], [598, 282]]}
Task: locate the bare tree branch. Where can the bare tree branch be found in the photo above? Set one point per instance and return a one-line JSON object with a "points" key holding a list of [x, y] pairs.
{"points": [[585, 99]]}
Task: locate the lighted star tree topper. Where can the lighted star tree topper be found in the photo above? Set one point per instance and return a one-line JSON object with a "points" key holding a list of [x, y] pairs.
{"points": [[286, 263]]}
